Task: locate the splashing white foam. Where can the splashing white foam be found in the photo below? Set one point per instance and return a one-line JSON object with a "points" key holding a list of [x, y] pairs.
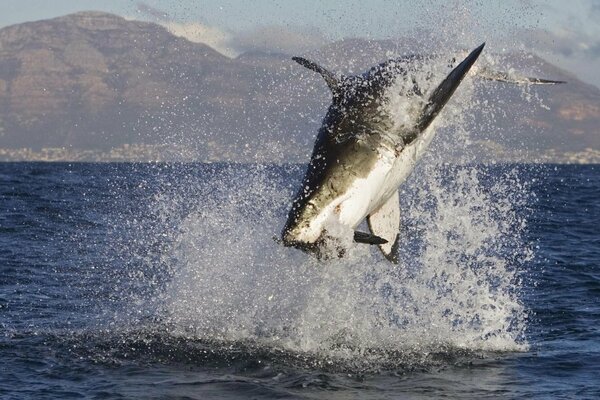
{"points": [[456, 286], [453, 289]]}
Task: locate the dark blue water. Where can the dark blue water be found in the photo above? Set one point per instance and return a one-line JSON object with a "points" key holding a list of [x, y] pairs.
{"points": [[89, 254]]}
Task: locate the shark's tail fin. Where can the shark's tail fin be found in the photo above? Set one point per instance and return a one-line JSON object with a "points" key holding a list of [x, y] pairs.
{"points": [[445, 90], [510, 77]]}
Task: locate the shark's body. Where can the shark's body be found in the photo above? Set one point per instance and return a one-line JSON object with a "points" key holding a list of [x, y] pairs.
{"points": [[361, 156]]}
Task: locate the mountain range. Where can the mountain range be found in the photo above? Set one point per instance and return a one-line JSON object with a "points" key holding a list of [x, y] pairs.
{"points": [[94, 81]]}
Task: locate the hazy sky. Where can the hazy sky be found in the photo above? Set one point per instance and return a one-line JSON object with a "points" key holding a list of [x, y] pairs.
{"points": [[564, 32]]}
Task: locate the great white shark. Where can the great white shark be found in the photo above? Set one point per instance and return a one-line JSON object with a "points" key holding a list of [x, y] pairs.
{"points": [[361, 156]]}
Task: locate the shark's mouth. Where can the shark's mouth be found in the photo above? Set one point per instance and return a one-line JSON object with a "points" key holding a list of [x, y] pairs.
{"points": [[325, 247], [328, 246]]}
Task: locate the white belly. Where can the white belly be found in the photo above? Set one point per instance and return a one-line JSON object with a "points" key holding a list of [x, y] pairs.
{"points": [[366, 195], [390, 171]]}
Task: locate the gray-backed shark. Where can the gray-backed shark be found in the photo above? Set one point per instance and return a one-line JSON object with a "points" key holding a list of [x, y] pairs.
{"points": [[361, 156]]}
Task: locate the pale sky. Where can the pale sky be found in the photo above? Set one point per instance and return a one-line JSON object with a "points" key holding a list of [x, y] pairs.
{"points": [[566, 33]]}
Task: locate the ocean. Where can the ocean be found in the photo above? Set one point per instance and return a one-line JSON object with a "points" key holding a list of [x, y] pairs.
{"points": [[163, 281]]}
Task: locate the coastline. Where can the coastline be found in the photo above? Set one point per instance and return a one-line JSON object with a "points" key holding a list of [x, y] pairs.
{"points": [[142, 153]]}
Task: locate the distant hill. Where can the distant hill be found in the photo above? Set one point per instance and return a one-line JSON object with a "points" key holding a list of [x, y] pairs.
{"points": [[95, 81]]}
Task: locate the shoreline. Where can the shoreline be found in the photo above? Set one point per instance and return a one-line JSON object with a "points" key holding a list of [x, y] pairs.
{"points": [[155, 153]]}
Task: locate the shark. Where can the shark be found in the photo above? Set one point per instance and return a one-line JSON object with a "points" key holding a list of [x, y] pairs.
{"points": [[361, 155]]}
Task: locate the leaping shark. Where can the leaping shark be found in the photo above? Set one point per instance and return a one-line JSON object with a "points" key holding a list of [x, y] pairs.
{"points": [[361, 156]]}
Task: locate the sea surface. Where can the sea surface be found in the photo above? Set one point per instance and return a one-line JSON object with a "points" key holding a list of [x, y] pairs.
{"points": [[163, 281]]}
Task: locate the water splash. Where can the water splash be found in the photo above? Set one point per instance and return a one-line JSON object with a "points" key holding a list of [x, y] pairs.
{"points": [[456, 288]]}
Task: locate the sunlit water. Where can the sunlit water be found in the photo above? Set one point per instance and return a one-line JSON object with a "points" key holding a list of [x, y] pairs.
{"points": [[157, 281]]}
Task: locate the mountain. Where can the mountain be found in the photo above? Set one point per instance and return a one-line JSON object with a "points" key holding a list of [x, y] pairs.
{"points": [[86, 79], [94, 81]]}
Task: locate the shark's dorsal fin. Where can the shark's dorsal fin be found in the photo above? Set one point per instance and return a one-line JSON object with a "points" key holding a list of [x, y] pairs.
{"points": [[499, 76], [385, 223], [332, 81]]}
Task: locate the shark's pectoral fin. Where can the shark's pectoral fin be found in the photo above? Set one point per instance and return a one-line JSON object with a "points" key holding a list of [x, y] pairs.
{"points": [[367, 238], [332, 81], [385, 223], [510, 77]]}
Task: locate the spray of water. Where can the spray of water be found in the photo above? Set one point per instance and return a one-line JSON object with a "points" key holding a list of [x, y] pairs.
{"points": [[456, 287]]}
